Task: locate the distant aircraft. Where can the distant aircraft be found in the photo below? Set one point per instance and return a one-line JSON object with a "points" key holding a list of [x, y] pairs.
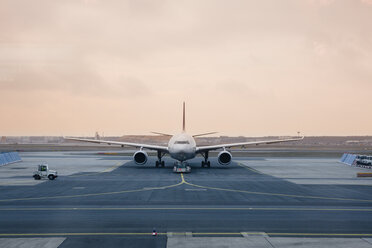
{"points": [[183, 147]]}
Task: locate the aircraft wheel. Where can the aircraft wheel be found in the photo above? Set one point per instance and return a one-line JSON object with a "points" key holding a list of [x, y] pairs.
{"points": [[209, 164], [157, 163], [202, 164], [162, 164]]}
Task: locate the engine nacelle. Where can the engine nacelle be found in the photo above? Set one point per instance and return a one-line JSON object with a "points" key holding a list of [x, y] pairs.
{"points": [[140, 157], [224, 157]]}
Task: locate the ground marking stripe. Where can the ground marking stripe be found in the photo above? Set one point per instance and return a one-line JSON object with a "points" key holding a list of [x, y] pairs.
{"points": [[185, 208], [100, 172], [92, 194], [183, 181], [182, 234], [249, 168], [279, 194]]}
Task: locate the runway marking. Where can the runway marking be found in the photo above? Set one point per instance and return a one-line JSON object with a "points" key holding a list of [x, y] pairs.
{"points": [[194, 233], [278, 194], [190, 208], [249, 168], [100, 172], [93, 194], [183, 181], [113, 167]]}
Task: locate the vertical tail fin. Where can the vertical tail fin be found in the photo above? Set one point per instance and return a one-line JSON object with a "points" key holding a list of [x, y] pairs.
{"points": [[183, 123]]}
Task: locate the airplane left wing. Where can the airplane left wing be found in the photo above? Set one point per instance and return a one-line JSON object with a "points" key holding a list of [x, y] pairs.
{"points": [[215, 147], [150, 147]]}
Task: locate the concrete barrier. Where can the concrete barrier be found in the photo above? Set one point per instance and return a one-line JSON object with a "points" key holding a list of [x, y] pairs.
{"points": [[9, 157], [364, 174]]}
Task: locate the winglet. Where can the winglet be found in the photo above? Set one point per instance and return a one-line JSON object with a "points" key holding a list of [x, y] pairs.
{"points": [[183, 123]]}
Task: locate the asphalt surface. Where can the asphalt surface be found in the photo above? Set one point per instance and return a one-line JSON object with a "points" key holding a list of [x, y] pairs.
{"points": [[122, 206]]}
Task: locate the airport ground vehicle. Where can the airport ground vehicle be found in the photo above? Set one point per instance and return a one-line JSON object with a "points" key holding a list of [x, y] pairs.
{"points": [[364, 160], [44, 172], [181, 167]]}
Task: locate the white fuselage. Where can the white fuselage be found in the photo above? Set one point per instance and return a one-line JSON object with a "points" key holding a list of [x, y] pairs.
{"points": [[182, 147]]}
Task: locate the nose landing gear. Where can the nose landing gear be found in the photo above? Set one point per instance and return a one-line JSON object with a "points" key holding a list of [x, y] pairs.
{"points": [[181, 167]]}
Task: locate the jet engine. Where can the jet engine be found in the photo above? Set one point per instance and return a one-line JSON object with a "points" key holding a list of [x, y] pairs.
{"points": [[140, 157], [224, 157]]}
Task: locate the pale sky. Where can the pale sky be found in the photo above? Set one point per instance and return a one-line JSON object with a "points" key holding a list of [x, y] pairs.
{"points": [[252, 68]]}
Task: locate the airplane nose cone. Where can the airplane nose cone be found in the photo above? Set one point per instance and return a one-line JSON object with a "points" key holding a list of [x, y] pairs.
{"points": [[182, 155]]}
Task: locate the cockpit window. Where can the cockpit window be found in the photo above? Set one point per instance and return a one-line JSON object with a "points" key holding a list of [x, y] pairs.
{"points": [[181, 142]]}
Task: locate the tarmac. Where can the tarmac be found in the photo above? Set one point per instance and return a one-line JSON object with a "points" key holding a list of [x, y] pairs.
{"points": [[107, 200]]}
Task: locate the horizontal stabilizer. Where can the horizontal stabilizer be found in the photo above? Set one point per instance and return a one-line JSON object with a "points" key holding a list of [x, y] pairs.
{"points": [[164, 134], [203, 134]]}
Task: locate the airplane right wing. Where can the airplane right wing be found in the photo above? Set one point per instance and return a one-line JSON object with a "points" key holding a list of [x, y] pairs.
{"points": [[150, 147], [215, 147]]}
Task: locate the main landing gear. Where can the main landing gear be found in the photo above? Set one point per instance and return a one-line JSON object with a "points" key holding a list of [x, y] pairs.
{"points": [[159, 161], [206, 162]]}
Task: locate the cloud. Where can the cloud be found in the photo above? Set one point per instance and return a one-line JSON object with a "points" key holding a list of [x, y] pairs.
{"points": [[272, 55], [369, 2], [321, 2]]}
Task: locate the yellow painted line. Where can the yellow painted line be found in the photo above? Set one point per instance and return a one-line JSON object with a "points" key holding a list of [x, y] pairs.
{"points": [[72, 234], [290, 234], [279, 194], [321, 234], [96, 194], [113, 167], [249, 168], [183, 233], [188, 208], [99, 172], [183, 181]]}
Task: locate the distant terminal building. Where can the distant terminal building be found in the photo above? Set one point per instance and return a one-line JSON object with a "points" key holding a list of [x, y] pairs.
{"points": [[3, 140]]}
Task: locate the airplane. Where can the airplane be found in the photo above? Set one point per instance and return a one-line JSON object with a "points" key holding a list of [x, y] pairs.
{"points": [[182, 147]]}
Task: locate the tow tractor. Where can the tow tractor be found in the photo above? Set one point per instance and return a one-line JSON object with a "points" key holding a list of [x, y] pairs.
{"points": [[44, 172], [181, 167]]}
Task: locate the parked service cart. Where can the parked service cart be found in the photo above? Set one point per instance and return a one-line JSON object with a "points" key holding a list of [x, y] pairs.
{"points": [[44, 172]]}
